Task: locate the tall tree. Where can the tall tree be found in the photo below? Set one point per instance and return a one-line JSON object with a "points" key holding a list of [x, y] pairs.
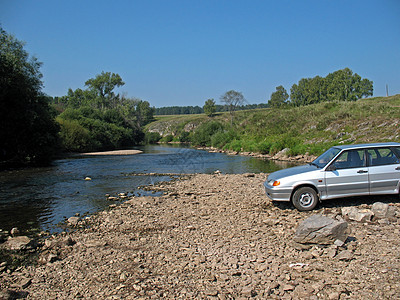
{"points": [[28, 133], [343, 85], [209, 107], [232, 99], [104, 84], [279, 97]]}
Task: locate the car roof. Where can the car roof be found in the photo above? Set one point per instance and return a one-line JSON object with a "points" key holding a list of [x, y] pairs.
{"points": [[372, 145]]}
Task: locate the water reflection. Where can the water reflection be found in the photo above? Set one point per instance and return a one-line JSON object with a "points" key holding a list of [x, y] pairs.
{"points": [[42, 197]]}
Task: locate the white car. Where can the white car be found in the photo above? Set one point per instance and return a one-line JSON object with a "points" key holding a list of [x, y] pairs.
{"points": [[342, 171]]}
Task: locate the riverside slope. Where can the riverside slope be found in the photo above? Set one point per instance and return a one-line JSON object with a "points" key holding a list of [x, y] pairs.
{"points": [[214, 237]]}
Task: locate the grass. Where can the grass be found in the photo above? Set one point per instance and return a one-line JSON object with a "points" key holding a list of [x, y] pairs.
{"points": [[311, 129]]}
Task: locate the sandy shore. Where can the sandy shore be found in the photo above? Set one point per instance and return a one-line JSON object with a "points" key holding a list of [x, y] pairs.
{"points": [[212, 237], [115, 152]]}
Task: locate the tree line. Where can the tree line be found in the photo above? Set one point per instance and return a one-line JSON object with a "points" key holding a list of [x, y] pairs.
{"points": [[188, 110], [35, 126], [341, 85]]}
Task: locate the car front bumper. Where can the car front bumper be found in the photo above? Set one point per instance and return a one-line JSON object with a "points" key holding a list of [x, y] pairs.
{"points": [[277, 193]]}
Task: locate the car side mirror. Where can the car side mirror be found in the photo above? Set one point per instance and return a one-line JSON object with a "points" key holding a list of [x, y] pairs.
{"points": [[331, 168]]}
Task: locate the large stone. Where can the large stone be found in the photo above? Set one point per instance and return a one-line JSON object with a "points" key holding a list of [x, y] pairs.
{"points": [[20, 243], [359, 215], [319, 229], [73, 221], [383, 210]]}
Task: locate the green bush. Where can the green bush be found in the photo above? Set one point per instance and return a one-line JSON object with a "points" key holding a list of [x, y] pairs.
{"points": [[167, 139], [235, 145], [152, 137], [74, 137], [221, 138], [184, 137], [90, 129], [264, 147], [202, 135]]}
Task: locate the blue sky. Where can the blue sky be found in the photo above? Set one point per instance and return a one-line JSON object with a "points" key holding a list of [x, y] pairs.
{"points": [[185, 52]]}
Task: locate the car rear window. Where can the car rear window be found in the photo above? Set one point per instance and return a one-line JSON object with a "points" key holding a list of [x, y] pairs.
{"points": [[382, 156]]}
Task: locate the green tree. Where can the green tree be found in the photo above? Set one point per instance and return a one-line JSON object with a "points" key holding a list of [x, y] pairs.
{"points": [[209, 107], [279, 97], [341, 85], [232, 99], [28, 132], [145, 113], [104, 84], [98, 119]]}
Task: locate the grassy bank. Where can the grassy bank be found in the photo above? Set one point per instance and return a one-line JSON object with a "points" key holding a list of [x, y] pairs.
{"points": [[304, 129]]}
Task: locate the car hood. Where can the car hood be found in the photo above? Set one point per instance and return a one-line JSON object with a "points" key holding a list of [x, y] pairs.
{"points": [[291, 171]]}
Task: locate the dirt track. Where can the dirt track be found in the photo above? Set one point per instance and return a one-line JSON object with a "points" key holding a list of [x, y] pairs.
{"points": [[213, 237]]}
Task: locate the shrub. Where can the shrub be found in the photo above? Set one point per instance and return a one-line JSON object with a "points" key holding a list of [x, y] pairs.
{"points": [[221, 138], [167, 139], [235, 145], [203, 134], [152, 137], [74, 137], [184, 137], [264, 147]]}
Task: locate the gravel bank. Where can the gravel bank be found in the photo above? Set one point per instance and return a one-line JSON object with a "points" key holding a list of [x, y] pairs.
{"points": [[213, 237]]}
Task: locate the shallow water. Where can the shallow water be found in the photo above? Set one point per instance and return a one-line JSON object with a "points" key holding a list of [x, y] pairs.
{"points": [[43, 197]]}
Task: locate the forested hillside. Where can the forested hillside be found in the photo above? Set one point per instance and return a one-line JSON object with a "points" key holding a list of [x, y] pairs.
{"points": [[311, 128]]}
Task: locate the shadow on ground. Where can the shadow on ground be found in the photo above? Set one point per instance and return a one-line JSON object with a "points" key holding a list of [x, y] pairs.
{"points": [[345, 202]]}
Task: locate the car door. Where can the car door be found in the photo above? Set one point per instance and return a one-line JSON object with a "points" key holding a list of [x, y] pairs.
{"points": [[384, 171], [347, 175]]}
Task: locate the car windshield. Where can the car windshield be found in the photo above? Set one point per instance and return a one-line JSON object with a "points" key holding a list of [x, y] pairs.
{"points": [[326, 157]]}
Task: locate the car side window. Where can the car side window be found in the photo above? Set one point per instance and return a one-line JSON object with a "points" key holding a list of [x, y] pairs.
{"points": [[397, 150], [350, 159], [381, 157]]}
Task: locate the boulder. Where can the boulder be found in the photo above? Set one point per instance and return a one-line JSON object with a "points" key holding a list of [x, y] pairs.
{"points": [[19, 243], [359, 215], [383, 210], [319, 229], [73, 221]]}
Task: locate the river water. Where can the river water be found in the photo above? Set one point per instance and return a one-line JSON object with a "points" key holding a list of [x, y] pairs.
{"points": [[41, 198]]}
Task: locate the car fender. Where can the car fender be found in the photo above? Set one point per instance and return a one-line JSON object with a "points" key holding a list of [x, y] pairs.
{"points": [[310, 183]]}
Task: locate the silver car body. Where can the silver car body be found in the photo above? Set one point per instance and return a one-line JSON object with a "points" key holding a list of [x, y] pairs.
{"points": [[377, 171]]}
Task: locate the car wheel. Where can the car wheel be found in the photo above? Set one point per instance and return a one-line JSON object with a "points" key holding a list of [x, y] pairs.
{"points": [[305, 198]]}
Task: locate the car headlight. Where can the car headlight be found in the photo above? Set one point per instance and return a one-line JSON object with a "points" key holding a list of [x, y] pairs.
{"points": [[274, 182]]}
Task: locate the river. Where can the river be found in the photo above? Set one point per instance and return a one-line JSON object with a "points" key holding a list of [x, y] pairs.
{"points": [[41, 198]]}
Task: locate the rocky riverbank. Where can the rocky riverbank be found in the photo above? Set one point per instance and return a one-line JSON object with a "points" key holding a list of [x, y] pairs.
{"points": [[280, 156], [214, 237]]}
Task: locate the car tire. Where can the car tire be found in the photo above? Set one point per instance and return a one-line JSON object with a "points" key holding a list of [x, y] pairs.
{"points": [[305, 198]]}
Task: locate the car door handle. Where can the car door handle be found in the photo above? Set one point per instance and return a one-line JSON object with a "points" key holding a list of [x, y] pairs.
{"points": [[398, 168], [361, 171]]}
